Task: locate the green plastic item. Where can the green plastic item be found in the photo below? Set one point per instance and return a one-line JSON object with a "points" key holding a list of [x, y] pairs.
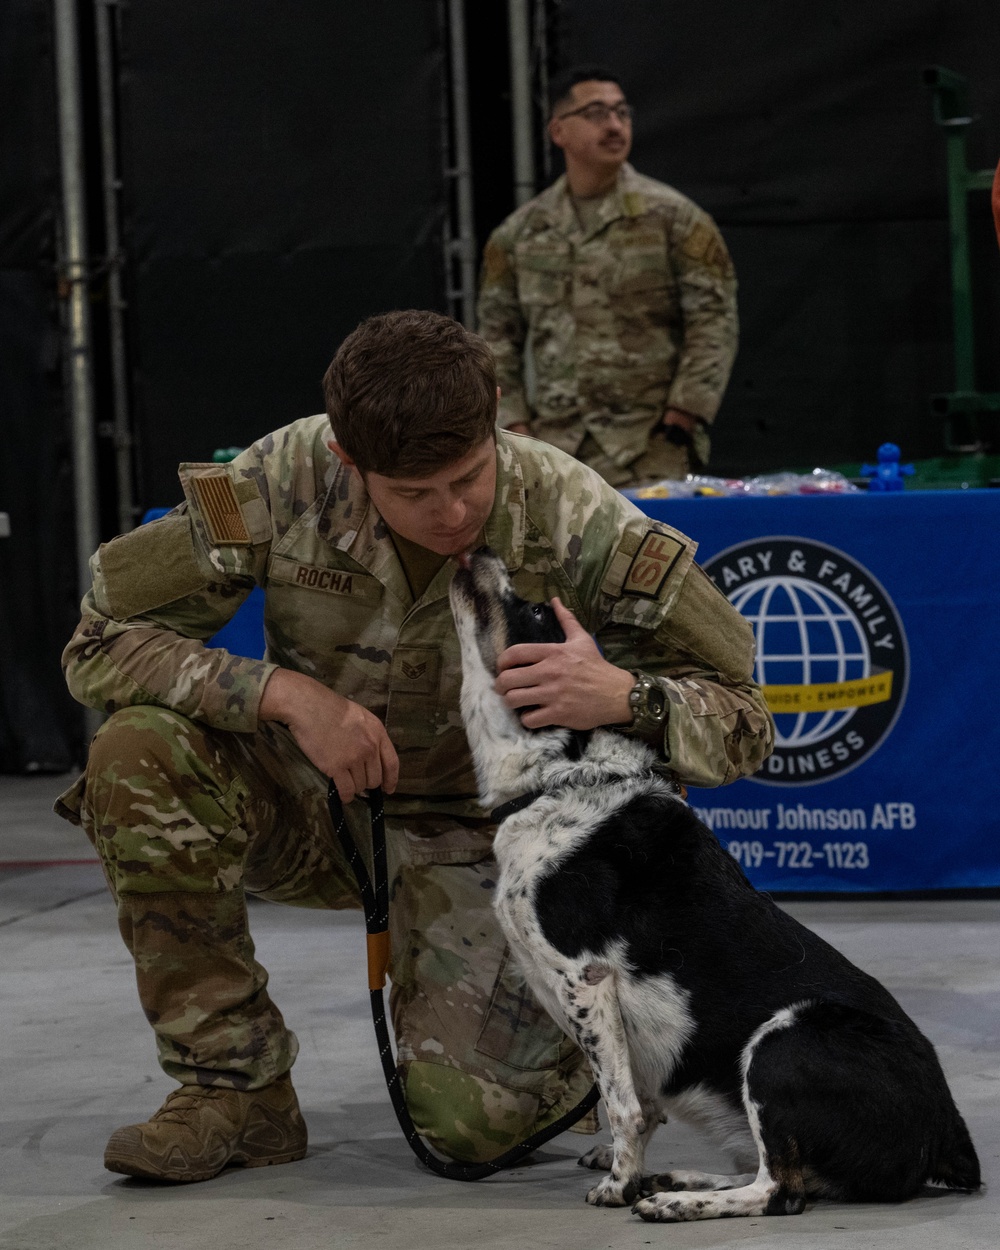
{"points": [[223, 455], [952, 114]]}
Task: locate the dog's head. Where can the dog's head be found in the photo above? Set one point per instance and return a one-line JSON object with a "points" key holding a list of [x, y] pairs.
{"points": [[489, 612], [489, 618], [509, 758]]}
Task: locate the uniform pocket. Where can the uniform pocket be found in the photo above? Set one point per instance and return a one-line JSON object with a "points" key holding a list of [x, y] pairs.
{"points": [[518, 1031], [149, 567], [69, 804], [543, 274], [641, 287], [541, 287]]}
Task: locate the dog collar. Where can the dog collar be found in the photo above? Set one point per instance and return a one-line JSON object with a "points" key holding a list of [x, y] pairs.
{"points": [[514, 805], [525, 800], [575, 747]]}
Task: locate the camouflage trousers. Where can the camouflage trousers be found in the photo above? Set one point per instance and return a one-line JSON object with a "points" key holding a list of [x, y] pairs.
{"points": [[188, 820], [661, 459]]}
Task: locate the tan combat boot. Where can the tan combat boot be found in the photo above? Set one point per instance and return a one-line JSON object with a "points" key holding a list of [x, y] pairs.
{"points": [[202, 1129]]}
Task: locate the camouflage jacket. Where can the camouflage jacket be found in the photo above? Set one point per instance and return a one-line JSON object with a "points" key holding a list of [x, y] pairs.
{"points": [[626, 320], [286, 516]]}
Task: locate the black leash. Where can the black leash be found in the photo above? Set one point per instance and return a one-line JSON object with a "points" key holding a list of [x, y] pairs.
{"points": [[375, 899]]}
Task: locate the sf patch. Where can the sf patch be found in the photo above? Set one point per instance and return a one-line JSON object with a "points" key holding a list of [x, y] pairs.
{"points": [[651, 565]]}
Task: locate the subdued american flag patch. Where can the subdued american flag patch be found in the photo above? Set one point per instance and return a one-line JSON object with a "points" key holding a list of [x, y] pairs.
{"points": [[220, 509]]}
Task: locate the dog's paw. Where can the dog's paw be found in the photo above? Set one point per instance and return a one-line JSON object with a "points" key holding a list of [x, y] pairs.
{"points": [[611, 1193], [685, 1179], [655, 1184], [661, 1208], [671, 1182], [599, 1158]]}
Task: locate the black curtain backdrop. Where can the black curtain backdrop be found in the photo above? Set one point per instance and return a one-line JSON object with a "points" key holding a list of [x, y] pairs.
{"points": [[283, 179], [806, 131], [282, 171], [38, 721]]}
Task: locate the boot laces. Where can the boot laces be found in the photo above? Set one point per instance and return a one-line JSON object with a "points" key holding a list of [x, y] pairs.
{"points": [[181, 1101]]}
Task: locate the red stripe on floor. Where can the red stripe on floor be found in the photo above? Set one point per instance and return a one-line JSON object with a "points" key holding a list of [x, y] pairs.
{"points": [[43, 863]]}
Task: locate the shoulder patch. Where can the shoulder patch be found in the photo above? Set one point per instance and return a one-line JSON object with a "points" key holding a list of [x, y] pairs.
{"points": [[699, 241], [652, 564], [496, 263], [220, 508], [705, 245]]}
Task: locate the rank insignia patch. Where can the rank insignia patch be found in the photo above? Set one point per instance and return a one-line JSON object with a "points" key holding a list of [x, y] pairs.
{"points": [[415, 671]]}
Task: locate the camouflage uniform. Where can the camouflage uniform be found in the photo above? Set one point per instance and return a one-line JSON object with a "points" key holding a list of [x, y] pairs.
{"points": [[191, 802], [622, 321]]}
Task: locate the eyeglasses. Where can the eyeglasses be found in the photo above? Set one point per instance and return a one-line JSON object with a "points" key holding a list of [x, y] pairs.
{"points": [[600, 113]]}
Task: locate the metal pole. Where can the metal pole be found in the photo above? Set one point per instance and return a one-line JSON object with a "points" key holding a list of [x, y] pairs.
{"points": [[116, 303], [74, 277], [465, 246], [541, 40], [445, 137], [520, 101], [74, 282]]}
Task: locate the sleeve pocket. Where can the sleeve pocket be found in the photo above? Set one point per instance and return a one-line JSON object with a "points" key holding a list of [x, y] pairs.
{"points": [[149, 567]]}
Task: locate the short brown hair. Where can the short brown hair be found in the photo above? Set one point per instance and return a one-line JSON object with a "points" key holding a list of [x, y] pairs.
{"points": [[410, 392], [561, 86]]}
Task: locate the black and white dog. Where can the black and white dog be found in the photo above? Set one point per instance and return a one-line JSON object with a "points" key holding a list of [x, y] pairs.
{"points": [[690, 993]]}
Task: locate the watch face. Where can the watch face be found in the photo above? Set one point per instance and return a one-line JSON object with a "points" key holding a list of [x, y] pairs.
{"points": [[648, 703]]}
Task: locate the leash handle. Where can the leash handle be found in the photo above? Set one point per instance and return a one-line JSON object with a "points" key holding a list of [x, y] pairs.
{"points": [[375, 900], [374, 896]]}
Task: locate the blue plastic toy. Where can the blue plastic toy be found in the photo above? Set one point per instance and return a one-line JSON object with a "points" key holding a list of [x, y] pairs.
{"points": [[888, 474]]}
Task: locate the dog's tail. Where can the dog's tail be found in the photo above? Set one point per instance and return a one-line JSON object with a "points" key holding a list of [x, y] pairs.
{"points": [[957, 1164]]}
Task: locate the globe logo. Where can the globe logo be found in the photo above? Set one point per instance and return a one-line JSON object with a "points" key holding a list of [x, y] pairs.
{"points": [[832, 657], [804, 637]]}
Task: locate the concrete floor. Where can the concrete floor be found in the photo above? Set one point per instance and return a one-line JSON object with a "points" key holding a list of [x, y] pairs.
{"points": [[77, 1061]]}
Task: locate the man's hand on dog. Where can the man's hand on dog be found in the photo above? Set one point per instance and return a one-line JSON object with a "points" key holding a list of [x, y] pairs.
{"points": [[564, 683], [345, 741]]}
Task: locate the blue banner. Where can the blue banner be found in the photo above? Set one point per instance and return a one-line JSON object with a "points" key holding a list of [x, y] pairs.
{"points": [[877, 620]]}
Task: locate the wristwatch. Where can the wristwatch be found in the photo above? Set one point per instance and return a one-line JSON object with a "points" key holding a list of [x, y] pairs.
{"points": [[649, 709]]}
